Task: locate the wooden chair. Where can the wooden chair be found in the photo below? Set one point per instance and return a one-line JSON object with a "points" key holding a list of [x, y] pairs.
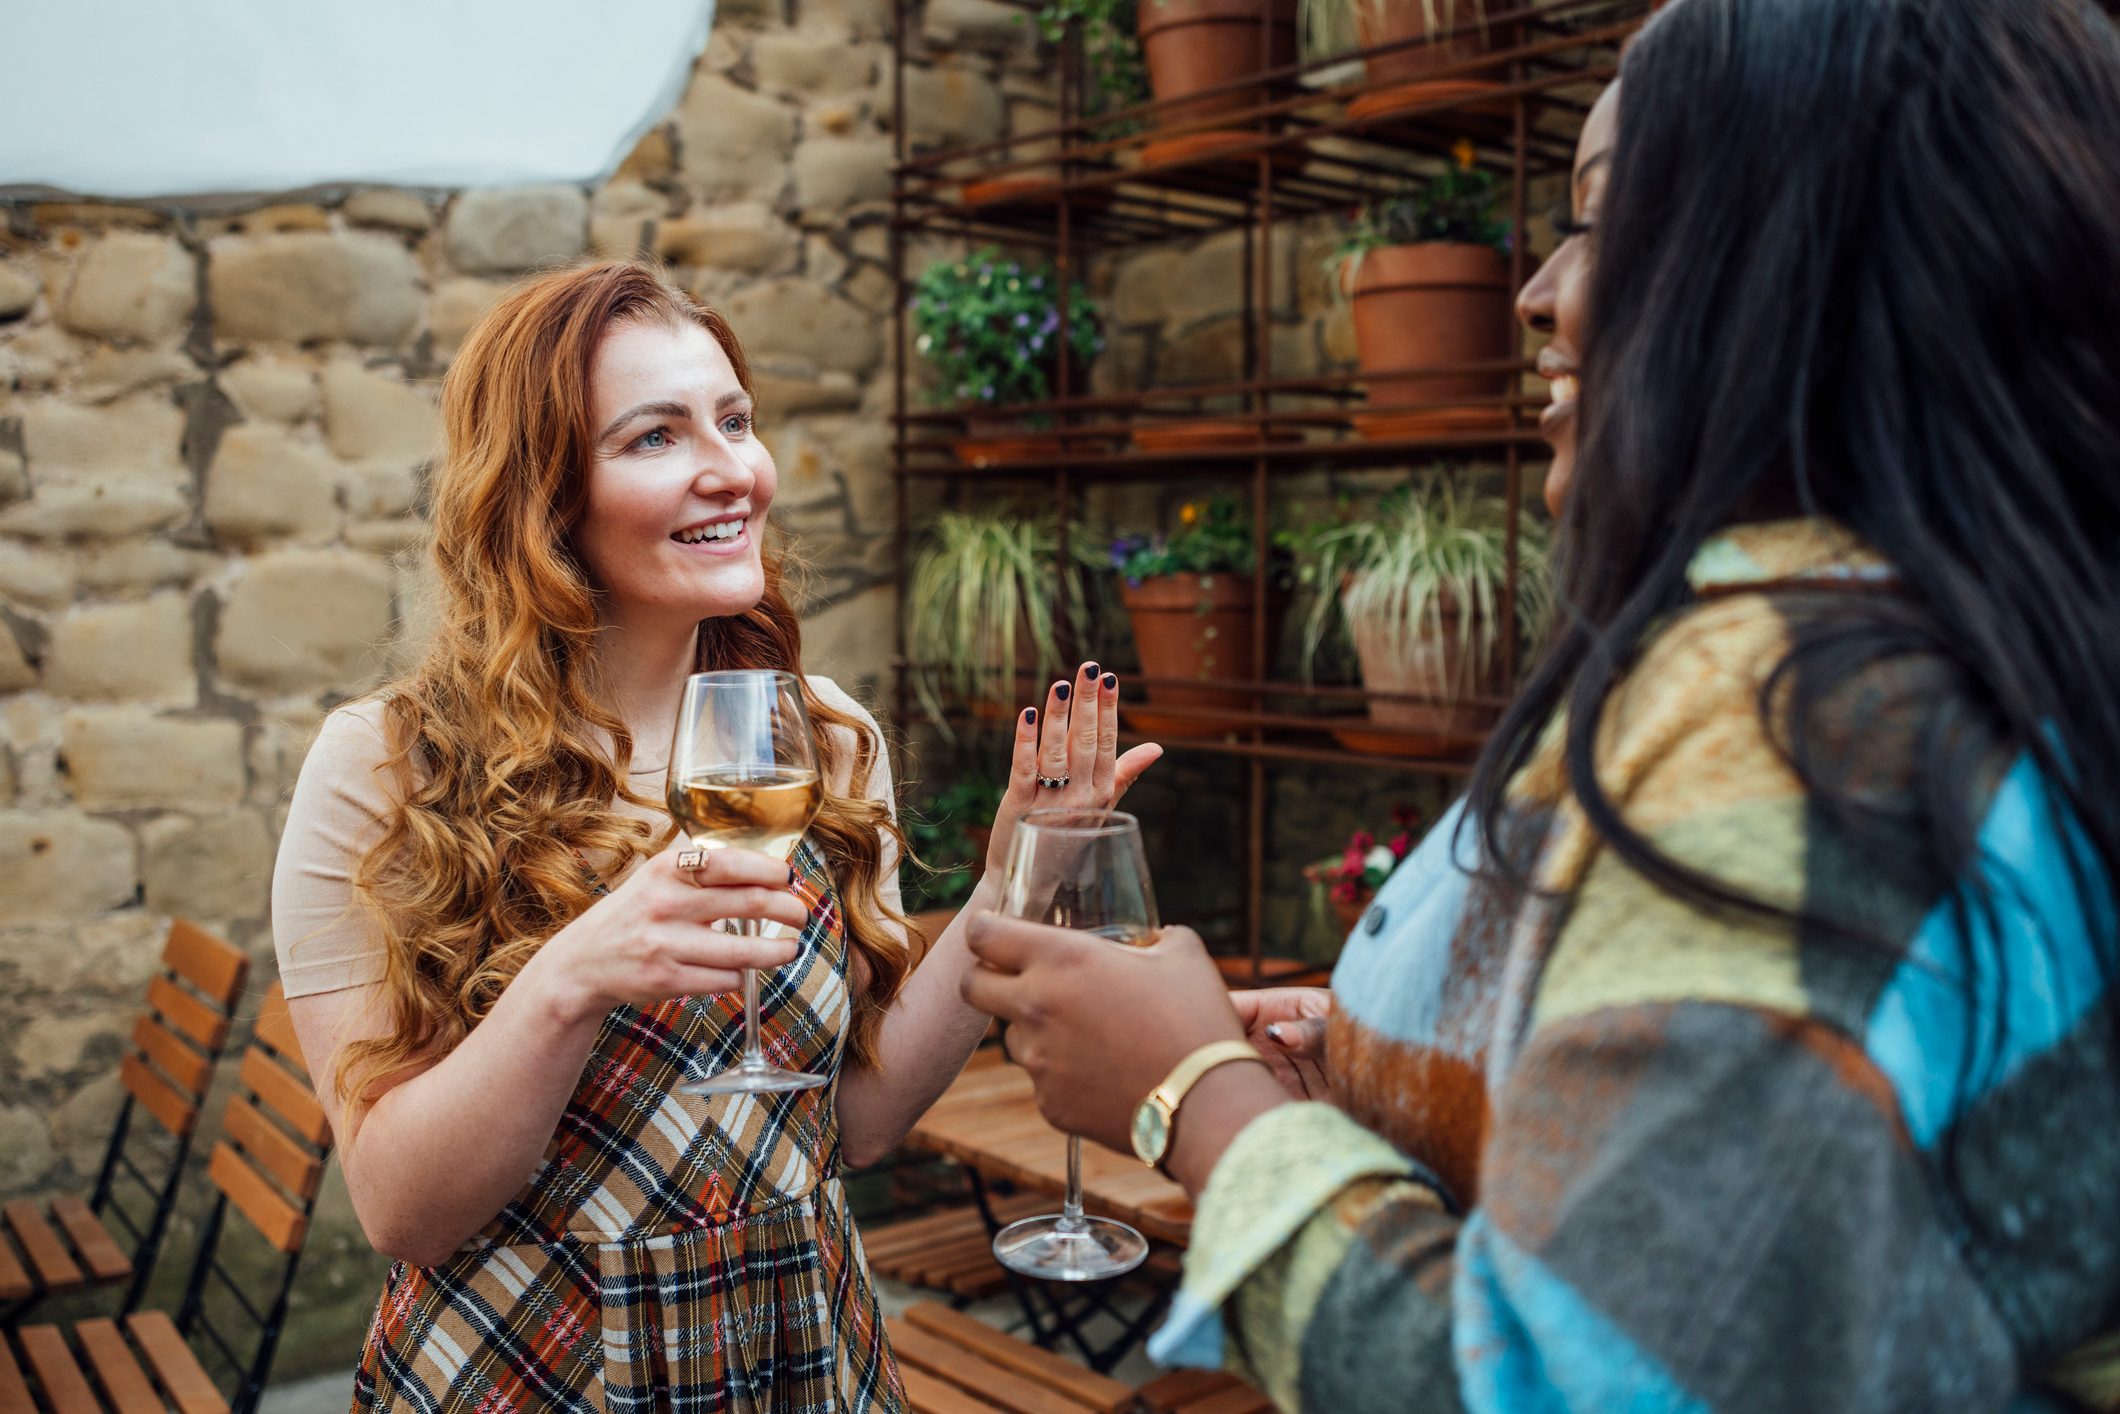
{"points": [[267, 1170], [68, 1244], [957, 1364]]}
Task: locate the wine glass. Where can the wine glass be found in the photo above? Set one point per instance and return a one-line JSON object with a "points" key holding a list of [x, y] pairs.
{"points": [[1081, 869], [743, 775]]}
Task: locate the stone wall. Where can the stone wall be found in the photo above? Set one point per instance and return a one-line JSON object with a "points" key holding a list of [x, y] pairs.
{"points": [[215, 427]]}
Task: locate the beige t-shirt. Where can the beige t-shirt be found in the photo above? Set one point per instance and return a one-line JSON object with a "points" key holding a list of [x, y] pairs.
{"points": [[325, 939]]}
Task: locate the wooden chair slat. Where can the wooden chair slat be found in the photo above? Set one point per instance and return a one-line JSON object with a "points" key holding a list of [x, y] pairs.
{"points": [[1180, 1387], [276, 1029], [48, 1256], [272, 1150], [66, 1389], [1239, 1398], [14, 1277], [188, 1014], [1086, 1387], [14, 1390], [282, 1224], [973, 1373], [929, 1395], [125, 1385], [158, 1097], [98, 1249], [286, 1096], [172, 1057], [215, 967], [176, 1369]]}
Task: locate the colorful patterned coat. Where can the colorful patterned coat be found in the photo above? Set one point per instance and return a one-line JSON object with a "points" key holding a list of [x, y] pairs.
{"points": [[1612, 1151]]}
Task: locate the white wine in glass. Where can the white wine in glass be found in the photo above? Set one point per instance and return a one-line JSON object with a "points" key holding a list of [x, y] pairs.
{"points": [[743, 775], [1081, 869]]}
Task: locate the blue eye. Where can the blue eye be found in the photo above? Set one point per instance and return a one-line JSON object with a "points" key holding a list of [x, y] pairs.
{"points": [[661, 433], [736, 424]]}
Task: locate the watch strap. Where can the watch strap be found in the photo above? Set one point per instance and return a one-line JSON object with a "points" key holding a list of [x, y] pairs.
{"points": [[1187, 1072]]}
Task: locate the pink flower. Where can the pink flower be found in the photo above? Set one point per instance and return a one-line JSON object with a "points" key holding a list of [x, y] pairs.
{"points": [[1401, 845]]}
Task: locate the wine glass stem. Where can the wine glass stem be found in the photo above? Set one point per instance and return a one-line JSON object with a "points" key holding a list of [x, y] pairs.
{"points": [[1071, 1207], [754, 1056]]}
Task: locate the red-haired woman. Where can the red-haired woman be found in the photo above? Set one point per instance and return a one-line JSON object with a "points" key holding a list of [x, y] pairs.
{"points": [[491, 952]]}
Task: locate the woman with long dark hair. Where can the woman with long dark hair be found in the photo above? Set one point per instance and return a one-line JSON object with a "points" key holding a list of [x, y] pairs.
{"points": [[502, 967], [1767, 1058]]}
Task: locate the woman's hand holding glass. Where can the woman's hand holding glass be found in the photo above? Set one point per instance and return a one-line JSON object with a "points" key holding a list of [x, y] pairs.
{"points": [[658, 934]]}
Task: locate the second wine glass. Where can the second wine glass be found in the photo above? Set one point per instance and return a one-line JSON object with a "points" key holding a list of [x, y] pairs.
{"points": [[1082, 869], [743, 775]]}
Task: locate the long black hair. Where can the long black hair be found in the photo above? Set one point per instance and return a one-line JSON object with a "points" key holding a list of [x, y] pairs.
{"points": [[1856, 258]]}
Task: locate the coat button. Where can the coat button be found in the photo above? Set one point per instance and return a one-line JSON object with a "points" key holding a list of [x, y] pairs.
{"points": [[1373, 920]]}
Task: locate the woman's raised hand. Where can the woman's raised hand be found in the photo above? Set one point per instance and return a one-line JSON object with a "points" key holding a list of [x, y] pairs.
{"points": [[1287, 1026], [656, 935], [1074, 741]]}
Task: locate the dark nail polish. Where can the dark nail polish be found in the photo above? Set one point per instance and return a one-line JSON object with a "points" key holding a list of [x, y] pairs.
{"points": [[1061, 692], [1089, 670], [1111, 680], [1030, 716], [791, 876]]}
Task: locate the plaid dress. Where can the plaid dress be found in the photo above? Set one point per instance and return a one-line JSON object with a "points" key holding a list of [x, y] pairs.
{"points": [[671, 1252]]}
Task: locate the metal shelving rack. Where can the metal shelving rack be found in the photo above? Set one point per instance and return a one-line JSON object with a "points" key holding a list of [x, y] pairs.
{"points": [[1304, 154]]}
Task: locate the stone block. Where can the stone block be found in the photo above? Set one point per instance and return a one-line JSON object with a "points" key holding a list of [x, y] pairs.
{"points": [[276, 751], [127, 758], [305, 622], [629, 198], [82, 1123], [389, 208], [144, 562], [112, 373], [851, 640], [621, 237], [947, 105], [265, 481], [285, 216], [218, 868], [109, 954], [743, 236], [26, 1151], [458, 305], [823, 262], [782, 392], [833, 173], [16, 670], [873, 290], [859, 19], [19, 288], [388, 537], [14, 477], [131, 285], [267, 388], [61, 864], [502, 230], [980, 24], [373, 415], [1208, 353], [36, 577], [100, 472], [653, 158], [813, 63], [49, 1046], [1336, 334], [376, 489], [799, 319], [35, 356], [138, 652], [733, 142], [359, 286]]}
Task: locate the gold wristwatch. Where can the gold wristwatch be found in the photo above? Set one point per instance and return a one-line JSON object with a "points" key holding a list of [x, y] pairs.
{"points": [[1156, 1114]]}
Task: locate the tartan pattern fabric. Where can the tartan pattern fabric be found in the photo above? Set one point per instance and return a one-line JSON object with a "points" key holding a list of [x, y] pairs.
{"points": [[672, 1252], [1602, 1148]]}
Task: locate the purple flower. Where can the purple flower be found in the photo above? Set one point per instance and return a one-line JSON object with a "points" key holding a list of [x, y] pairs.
{"points": [[1023, 321]]}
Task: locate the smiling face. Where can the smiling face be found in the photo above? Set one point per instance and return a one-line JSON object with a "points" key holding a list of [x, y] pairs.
{"points": [[678, 482], [1558, 297]]}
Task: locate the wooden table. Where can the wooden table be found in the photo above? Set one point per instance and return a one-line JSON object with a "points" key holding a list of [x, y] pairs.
{"points": [[988, 1121]]}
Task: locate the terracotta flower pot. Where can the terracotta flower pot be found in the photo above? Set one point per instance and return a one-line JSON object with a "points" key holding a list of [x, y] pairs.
{"points": [[1194, 627], [1346, 914], [1437, 666], [1428, 305], [1195, 45], [1390, 21]]}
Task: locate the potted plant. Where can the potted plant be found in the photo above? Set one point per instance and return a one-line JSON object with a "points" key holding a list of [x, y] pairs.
{"points": [[1403, 78], [1427, 270], [987, 595], [1117, 81], [946, 839], [1194, 45], [1347, 881], [1190, 597], [991, 328], [1417, 586]]}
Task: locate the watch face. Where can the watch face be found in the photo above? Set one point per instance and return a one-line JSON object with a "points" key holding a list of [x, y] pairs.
{"points": [[1151, 1132]]}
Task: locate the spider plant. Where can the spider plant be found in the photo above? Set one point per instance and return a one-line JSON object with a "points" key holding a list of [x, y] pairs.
{"points": [[1429, 554], [988, 594]]}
